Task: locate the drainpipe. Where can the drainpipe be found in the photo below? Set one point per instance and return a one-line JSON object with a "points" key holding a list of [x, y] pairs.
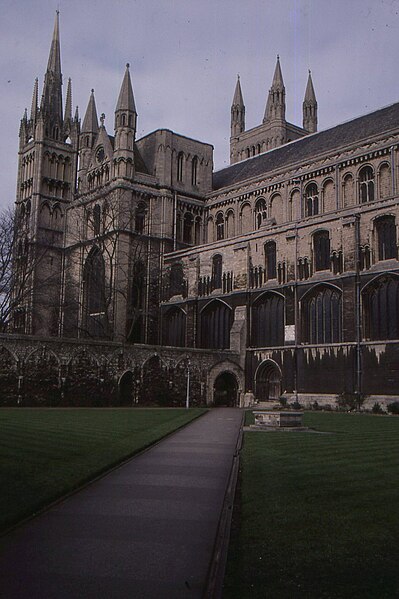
{"points": [[358, 387]]}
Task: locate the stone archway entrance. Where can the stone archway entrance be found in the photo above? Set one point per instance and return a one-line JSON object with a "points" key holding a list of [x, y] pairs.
{"points": [[268, 382], [225, 390], [126, 389]]}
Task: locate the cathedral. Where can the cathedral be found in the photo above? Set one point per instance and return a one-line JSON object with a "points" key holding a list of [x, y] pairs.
{"points": [[283, 266]]}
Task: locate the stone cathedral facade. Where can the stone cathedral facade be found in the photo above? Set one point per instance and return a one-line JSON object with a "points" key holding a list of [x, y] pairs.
{"points": [[283, 266]]}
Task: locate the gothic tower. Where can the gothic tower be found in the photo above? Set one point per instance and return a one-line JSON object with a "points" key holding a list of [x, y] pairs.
{"points": [[48, 143], [310, 107], [275, 105], [237, 111], [125, 129]]}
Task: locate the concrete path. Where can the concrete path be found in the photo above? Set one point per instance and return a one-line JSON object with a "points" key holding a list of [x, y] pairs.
{"points": [[146, 530]]}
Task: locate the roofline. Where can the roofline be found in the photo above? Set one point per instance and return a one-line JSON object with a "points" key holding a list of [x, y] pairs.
{"points": [[294, 141], [204, 143]]}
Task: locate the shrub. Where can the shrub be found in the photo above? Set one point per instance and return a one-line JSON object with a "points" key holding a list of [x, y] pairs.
{"points": [[283, 401], [296, 405], [393, 408], [315, 405], [377, 409], [350, 401]]}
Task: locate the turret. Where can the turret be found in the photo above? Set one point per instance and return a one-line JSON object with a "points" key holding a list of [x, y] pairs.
{"points": [[310, 107], [237, 111], [275, 106], [125, 127]]}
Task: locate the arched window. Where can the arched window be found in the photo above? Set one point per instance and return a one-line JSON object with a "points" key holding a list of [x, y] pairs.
{"points": [[217, 268], [216, 321], [194, 171], [348, 190], [175, 328], [95, 321], [197, 230], [176, 279], [219, 226], [188, 228], [230, 230], [293, 204], [386, 237], [321, 250], [311, 200], [260, 212], [366, 184], [180, 167], [139, 219], [96, 219], [322, 315], [268, 321], [381, 309], [270, 260]]}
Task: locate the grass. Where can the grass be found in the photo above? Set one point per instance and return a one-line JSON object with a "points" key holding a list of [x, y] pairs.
{"points": [[317, 516], [46, 453]]}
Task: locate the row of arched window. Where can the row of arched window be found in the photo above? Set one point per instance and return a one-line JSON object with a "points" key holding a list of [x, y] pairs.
{"points": [[315, 201], [320, 311], [51, 217]]}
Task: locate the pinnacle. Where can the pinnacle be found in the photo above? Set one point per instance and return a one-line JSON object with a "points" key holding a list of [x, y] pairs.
{"points": [[238, 99], [90, 122], [310, 95], [126, 98], [278, 82], [54, 60]]}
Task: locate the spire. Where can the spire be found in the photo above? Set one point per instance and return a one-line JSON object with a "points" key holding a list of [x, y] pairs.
{"points": [[126, 98], [33, 110], [51, 104], [90, 122], [310, 95], [237, 111], [76, 118], [68, 102], [238, 99], [278, 82], [309, 107], [54, 59], [275, 105]]}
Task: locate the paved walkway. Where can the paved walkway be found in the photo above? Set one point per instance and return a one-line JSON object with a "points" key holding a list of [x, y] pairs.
{"points": [[146, 530]]}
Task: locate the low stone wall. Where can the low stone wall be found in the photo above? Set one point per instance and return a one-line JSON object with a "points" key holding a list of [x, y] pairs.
{"points": [[36, 371]]}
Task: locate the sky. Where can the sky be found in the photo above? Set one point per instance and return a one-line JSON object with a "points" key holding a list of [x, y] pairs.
{"points": [[184, 59]]}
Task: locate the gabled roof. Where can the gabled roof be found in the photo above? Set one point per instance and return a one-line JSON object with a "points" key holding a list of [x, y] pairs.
{"points": [[309, 147]]}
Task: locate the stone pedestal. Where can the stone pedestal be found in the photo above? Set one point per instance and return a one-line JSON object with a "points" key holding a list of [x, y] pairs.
{"points": [[277, 419]]}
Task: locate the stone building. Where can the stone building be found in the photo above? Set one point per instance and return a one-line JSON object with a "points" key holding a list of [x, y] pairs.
{"points": [[282, 266]]}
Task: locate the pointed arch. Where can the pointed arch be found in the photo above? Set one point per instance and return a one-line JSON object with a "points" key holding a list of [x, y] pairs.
{"points": [[216, 320], [268, 320], [321, 311], [94, 295]]}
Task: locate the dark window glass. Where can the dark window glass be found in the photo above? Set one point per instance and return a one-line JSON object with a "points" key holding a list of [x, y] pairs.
{"points": [[322, 316], [268, 321], [175, 327], [216, 321], [180, 167], [386, 237], [219, 226], [381, 309], [260, 212], [311, 200], [270, 257], [194, 171], [217, 267], [95, 295], [366, 184], [188, 228], [139, 219], [96, 219], [321, 246]]}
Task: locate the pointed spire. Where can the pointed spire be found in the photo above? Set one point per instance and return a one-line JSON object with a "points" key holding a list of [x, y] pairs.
{"points": [[126, 98], [54, 59], [35, 96], [238, 99], [237, 125], [310, 95], [275, 105], [278, 82], [76, 118], [90, 122], [309, 107], [51, 104], [68, 102]]}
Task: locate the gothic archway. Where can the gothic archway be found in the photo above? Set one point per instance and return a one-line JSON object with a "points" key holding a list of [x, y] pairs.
{"points": [[225, 390], [268, 382]]}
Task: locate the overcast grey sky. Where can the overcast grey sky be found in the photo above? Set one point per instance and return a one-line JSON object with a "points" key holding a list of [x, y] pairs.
{"points": [[185, 56]]}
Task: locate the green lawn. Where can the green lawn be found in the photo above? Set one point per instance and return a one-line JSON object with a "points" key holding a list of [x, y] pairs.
{"points": [[45, 453], [317, 516]]}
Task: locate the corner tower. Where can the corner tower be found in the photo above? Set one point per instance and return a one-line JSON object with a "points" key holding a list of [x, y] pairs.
{"points": [[125, 129], [48, 143], [309, 107]]}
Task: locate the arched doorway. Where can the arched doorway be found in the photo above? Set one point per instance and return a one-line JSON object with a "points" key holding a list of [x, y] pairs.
{"points": [[126, 389], [225, 390], [268, 382]]}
